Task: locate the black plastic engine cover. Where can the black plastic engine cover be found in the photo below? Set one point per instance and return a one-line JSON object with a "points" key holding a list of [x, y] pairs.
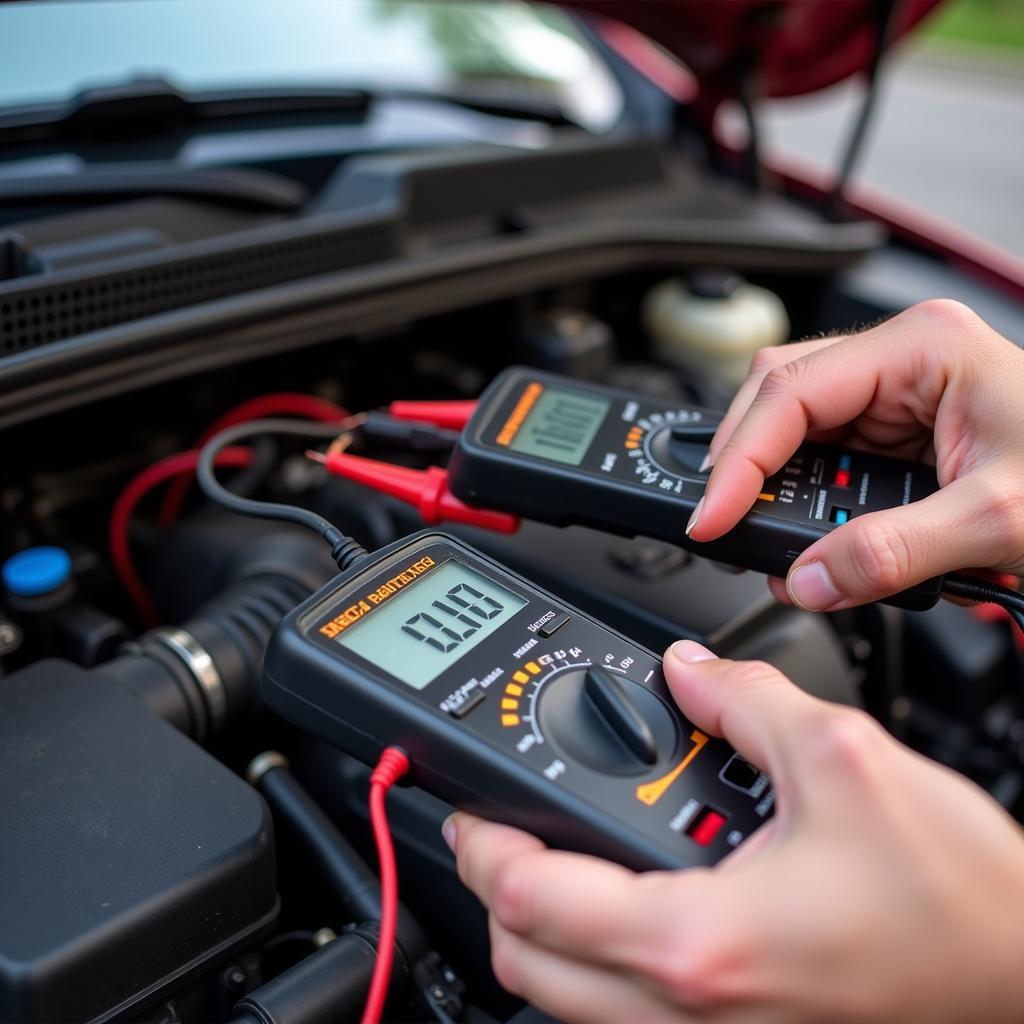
{"points": [[129, 858]]}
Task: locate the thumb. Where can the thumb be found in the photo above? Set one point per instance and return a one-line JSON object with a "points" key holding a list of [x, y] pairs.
{"points": [[749, 703], [881, 553]]}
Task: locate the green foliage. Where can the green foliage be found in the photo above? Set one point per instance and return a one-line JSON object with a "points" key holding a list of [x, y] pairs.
{"points": [[991, 23]]}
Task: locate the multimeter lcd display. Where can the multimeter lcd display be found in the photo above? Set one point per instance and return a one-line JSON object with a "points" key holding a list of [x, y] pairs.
{"points": [[561, 426], [428, 627]]}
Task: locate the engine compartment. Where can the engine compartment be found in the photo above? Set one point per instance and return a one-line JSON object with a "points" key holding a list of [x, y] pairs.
{"points": [[225, 931]]}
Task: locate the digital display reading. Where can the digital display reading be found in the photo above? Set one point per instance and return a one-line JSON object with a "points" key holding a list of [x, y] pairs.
{"points": [[561, 426], [428, 627]]}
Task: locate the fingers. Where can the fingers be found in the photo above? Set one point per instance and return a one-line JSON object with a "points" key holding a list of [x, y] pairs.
{"points": [[547, 896], [817, 392], [483, 847], [753, 705], [882, 553], [764, 362], [569, 990], [886, 369]]}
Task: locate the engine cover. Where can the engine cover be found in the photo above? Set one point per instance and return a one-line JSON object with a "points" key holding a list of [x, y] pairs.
{"points": [[129, 858]]}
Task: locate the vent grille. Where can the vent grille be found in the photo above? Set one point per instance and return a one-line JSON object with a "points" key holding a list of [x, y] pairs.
{"points": [[41, 314]]}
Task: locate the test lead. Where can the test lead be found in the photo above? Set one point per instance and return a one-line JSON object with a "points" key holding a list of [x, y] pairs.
{"points": [[425, 489], [453, 415]]}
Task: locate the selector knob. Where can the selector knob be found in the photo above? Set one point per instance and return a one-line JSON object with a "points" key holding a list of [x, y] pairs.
{"points": [[606, 721], [699, 432], [611, 701], [688, 443], [682, 447]]}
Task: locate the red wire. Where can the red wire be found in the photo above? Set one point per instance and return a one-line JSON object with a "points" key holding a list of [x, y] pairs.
{"points": [[180, 468], [393, 764], [282, 403], [138, 487]]}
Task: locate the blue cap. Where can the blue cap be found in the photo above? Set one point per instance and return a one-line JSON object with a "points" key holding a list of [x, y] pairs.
{"points": [[36, 571]]}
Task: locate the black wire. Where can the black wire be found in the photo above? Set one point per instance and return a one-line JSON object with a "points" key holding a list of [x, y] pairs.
{"points": [[972, 589], [745, 87], [885, 11], [344, 550]]}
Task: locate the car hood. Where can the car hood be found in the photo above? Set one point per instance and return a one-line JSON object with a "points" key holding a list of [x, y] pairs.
{"points": [[796, 46]]}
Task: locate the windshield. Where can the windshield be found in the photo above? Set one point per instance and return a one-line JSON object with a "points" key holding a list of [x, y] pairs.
{"points": [[496, 49]]}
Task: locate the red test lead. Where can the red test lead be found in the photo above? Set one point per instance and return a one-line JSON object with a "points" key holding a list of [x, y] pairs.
{"points": [[393, 764], [426, 490], [453, 415]]}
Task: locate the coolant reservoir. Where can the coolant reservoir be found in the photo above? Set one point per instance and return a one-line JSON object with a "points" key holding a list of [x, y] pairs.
{"points": [[713, 324]]}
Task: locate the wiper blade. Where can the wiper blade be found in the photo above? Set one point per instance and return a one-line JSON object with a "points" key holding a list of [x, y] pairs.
{"points": [[233, 186], [154, 107], [515, 107], [147, 107]]}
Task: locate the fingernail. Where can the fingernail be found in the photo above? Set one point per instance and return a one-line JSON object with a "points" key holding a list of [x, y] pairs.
{"points": [[690, 652], [694, 517], [706, 464], [448, 832], [811, 587]]}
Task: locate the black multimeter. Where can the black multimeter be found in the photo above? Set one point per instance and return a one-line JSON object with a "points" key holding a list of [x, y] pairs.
{"points": [[561, 451], [511, 704]]}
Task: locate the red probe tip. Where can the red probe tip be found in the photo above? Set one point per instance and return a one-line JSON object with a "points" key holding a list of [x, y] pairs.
{"points": [[316, 456], [453, 415], [426, 490]]}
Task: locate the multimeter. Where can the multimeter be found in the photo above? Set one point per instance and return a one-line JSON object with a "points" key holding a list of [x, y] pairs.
{"points": [[511, 704], [561, 451]]}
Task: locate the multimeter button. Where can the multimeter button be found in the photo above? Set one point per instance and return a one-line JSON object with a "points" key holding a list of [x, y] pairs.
{"points": [[705, 826], [474, 700], [740, 773], [702, 430], [552, 626], [610, 699]]}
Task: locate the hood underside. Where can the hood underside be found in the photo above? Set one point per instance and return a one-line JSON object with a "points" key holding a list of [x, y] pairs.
{"points": [[790, 46]]}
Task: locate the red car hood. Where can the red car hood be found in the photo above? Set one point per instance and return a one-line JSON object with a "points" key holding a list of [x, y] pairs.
{"points": [[797, 46]]}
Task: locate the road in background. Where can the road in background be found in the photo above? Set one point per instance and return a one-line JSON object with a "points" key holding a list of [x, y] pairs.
{"points": [[948, 135]]}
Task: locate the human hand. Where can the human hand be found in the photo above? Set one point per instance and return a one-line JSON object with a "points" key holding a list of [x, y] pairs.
{"points": [[933, 384], [886, 888]]}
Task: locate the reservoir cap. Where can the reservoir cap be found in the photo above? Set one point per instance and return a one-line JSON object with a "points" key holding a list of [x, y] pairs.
{"points": [[36, 571]]}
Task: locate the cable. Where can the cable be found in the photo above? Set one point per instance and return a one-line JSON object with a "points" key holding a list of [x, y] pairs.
{"points": [[884, 11], [169, 468], [380, 430], [344, 550], [972, 589], [393, 764], [282, 403], [745, 92]]}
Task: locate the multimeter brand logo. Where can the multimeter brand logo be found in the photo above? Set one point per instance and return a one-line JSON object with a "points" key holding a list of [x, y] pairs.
{"points": [[526, 402], [348, 617], [351, 615]]}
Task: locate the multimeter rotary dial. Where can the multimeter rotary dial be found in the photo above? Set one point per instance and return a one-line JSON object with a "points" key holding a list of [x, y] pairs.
{"points": [[679, 449], [606, 721]]}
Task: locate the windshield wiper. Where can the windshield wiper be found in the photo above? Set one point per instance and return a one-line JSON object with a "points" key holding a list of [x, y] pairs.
{"points": [[154, 107], [518, 108]]}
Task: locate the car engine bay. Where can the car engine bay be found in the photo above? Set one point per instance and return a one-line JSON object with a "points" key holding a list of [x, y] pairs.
{"points": [[170, 849]]}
